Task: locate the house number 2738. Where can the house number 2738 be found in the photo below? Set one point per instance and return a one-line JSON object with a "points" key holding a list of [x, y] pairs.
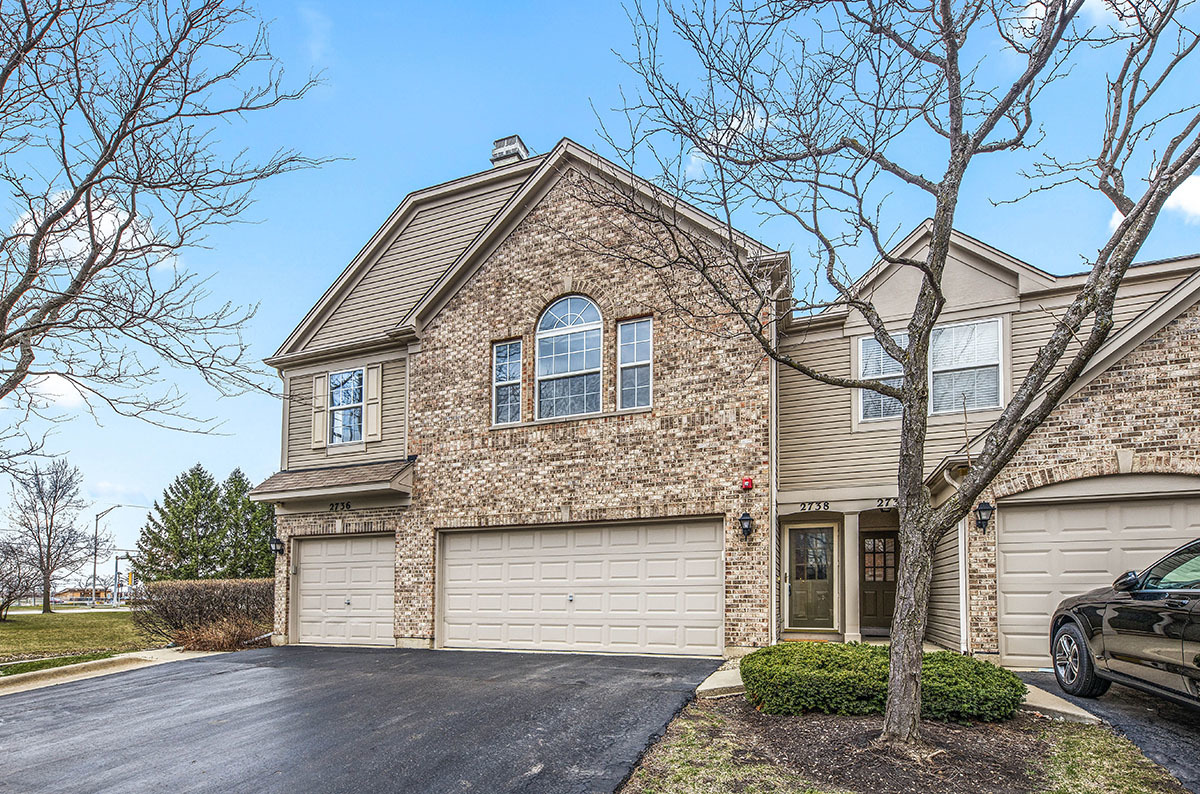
{"points": [[337, 507]]}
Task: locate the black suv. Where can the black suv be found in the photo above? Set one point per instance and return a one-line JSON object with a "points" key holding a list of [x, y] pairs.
{"points": [[1144, 632]]}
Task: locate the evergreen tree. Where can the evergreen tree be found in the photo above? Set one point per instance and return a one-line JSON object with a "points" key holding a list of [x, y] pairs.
{"points": [[247, 528], [182, 537]]}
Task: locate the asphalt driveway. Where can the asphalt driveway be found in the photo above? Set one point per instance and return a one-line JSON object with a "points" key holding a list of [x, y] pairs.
{"points": [[347, 720], [1166, 733]]}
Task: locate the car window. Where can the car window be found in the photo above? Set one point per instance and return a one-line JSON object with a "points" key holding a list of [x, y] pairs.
{"points": [[1180, 571]]}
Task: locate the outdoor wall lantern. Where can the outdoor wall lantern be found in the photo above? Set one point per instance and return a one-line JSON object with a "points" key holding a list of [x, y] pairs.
{"points": [[276, 545], [983, 514], [747, 524]]}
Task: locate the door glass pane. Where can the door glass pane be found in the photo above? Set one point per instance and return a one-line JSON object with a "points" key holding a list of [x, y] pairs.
{"points": [[810, 562]]}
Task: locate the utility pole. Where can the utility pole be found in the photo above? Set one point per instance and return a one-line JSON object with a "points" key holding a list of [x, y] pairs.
{"points": [[96, 549]]}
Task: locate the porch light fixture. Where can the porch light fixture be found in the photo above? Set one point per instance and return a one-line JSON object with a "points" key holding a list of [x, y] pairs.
{"points": [[276, 545], [747, 524], [983, 514]]}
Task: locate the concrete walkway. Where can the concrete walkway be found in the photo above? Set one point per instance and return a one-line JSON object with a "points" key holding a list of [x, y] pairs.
{"points": [[23, 682]]}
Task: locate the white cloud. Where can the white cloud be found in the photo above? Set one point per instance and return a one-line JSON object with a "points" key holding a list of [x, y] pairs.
{"points": [[317, 26], [58, 391], [1115, 220], [1186, 200]]}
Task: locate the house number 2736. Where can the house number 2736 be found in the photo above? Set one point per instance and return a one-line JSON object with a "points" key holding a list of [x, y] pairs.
{"points": [[337, 507]]}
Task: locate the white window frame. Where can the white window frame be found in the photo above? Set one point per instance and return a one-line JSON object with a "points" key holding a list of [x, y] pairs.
{"points": [[998, 364], [623, 365], [497, 384], [361, 405], [538, 378]]}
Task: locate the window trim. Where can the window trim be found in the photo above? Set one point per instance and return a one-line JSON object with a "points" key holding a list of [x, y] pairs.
{"points": [[539, 335], [649, 318], [999, 364], [361, 405], [519, 381]]}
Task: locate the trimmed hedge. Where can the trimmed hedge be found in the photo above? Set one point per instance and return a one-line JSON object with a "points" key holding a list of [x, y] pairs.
{"points": [[205, 614], [837, 678]]}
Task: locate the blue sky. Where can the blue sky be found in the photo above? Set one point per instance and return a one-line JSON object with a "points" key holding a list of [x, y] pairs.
{"points": [[413, 95]]}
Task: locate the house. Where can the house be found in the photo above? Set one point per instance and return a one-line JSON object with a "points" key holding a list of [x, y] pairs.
{"points": [[73, 595], [496, 438]]}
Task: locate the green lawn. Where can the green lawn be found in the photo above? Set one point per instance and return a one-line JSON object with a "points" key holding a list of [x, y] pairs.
{"points": [[55, 661], [31, 636]]}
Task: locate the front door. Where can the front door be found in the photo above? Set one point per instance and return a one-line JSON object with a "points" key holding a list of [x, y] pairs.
{"points": [[877, 582], [810, 577]]}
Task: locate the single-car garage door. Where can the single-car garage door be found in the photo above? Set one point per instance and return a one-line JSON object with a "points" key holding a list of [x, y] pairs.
{"points": [[1065, 539], [655, 587], [345, 591]]}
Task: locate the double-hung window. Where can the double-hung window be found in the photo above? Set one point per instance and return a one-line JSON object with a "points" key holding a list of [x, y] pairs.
{"points": [[965, 366], [875, 364], [506, 382], [633, 363], [345, 406], [568, 358], [964, 370]]}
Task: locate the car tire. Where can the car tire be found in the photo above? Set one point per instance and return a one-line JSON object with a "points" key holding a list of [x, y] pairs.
{"points": [[1073, 664]]}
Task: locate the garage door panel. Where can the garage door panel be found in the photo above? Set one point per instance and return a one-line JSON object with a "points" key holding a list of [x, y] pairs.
{"points": [[1048, 552], [654, 588], [334, 571]]}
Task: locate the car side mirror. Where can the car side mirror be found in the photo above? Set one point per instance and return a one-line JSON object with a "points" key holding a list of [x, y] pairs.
{"points": [[1126, 582]]}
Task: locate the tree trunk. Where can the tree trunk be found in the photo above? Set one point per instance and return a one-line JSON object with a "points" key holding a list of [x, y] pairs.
{"points": [[902, 720], [45, 595]]}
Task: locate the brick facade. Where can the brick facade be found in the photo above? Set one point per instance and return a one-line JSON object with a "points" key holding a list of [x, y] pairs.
{"points": [[1142, 415], [685, 456]]}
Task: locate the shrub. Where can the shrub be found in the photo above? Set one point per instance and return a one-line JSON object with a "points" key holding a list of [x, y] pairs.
{"points": [[836, 678], [205, 612]]}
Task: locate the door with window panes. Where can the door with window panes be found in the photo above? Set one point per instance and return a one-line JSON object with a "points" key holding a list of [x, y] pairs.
{"points": [[877, 585], [810, 577]]}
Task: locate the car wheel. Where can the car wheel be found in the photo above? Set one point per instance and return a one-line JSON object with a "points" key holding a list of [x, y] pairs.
{"points": [[1073, 665]]}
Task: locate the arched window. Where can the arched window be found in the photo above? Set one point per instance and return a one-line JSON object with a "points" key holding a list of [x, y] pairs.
{"points": [[568, 358]]}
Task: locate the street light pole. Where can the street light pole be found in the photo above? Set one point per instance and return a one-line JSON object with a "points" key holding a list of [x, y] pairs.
{"points": [[96, 549]]}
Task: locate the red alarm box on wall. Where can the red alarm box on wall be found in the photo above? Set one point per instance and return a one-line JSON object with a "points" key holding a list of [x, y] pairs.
{"points": [[747, 483]]}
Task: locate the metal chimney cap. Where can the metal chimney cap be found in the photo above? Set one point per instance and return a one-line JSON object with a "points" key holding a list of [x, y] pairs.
{"points": [[509, 149]]}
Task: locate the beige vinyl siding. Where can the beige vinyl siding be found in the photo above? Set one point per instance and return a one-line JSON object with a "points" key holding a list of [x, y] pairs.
{"points": [[424, 249], [944, 625], [301, 453], [818, 447]]}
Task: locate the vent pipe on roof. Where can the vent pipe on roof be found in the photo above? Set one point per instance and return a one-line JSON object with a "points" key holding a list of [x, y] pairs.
{"points": [[506, 151]]}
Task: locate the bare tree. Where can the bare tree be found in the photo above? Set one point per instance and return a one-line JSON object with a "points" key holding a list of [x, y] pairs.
{"points": [[110, 155], [18, 576], [44, 520], [834, 114]]}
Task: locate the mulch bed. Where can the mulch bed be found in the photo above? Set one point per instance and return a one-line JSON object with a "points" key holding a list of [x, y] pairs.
{"points": [[835, 750]]}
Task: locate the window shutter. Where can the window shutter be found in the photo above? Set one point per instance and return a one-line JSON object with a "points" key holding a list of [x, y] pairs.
{"points": [[373, 404], [320, 397]]}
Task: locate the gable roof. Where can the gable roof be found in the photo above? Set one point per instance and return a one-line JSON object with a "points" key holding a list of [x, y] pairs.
{"points": [[565, 154], [419, 240]]}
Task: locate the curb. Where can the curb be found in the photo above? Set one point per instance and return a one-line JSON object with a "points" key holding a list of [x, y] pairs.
{"points": [[111, 664], [1048, 704]]}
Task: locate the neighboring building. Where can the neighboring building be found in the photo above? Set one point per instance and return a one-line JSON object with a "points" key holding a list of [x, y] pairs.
{"points": [[496, 438], [75, 595]]}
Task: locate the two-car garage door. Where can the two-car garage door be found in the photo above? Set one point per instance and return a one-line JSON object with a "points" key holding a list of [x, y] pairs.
{"points": [[632, 588], [1066, 539]]}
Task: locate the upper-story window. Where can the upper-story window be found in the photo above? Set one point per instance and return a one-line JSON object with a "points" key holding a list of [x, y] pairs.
{"points": [[345, 406], [633, 363], [964, 367], [875, 364], [568, 358], [506, 382]]}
